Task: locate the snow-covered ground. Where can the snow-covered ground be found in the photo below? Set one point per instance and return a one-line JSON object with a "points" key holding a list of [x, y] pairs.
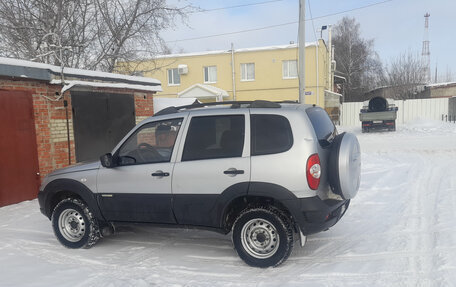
{"points": [[399, 231]]}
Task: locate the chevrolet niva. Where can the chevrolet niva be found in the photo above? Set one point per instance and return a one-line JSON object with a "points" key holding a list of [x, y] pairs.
{"points": [[269, 173]]}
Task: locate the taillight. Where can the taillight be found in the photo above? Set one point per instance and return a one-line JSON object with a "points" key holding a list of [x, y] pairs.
{"points": [[313, 171]]}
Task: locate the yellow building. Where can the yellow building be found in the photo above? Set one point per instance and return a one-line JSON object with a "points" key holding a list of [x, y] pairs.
{"points": [[267, 73]]}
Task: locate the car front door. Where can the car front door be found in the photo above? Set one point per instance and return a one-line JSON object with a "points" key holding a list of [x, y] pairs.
{"points": [[212, 166], [138, 189]]}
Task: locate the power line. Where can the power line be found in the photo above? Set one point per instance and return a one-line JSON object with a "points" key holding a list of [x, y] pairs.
{"points": [[236, 6], [350, 10], [278, 25], [312, 19], [231, 33]]}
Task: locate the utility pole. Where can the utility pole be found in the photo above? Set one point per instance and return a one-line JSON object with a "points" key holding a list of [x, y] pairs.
{"points": [[232, 72], [302, 50], [331, 58]]}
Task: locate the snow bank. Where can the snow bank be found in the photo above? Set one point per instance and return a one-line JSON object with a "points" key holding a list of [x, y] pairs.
{"points": [[429, 126]]}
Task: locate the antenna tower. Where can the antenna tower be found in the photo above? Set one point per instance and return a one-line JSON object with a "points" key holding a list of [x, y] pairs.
{"points": [[426, 54]]}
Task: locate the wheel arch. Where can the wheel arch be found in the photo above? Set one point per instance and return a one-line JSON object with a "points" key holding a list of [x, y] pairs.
{"points": [[259, 193], [60, 189]]}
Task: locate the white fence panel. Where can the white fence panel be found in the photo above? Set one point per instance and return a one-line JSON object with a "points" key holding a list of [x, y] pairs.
{"points": [[408, 110], [400, 112], [350, 113]]}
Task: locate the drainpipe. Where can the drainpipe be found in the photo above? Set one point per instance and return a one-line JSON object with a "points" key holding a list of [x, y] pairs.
{"points": [[65, 104], [233, 72], [302, 52], [330, 53], [332, 72], [318, 75]]}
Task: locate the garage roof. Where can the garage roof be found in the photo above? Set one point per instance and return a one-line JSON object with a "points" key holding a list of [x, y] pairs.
{"points": [[16, 68]]}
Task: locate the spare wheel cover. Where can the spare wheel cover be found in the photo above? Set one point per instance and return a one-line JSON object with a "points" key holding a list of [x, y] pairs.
{"points": [[345, 165]]}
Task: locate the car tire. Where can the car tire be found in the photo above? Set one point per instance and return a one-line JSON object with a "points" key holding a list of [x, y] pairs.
{"points": [[263, 236], [344, 167], [74, 225]]}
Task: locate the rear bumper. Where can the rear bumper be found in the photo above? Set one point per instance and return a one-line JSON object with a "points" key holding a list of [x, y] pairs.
{"points": [[383, 124], [313, 215]]}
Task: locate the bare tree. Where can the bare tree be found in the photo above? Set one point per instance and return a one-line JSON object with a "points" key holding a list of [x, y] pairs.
{"points": [[356, 59], [406, 75], [93, 34], [447, 76]]}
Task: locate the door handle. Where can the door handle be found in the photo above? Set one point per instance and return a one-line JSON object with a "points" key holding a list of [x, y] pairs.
{"points": [[160, 173], [233, 171]]}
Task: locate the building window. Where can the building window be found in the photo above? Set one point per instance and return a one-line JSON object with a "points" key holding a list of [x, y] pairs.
{"points": [[248, 72], [210, 74], [173, 77], [290, 69]]}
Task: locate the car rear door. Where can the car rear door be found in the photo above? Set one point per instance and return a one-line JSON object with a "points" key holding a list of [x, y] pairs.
{"points": [[212, 162]]}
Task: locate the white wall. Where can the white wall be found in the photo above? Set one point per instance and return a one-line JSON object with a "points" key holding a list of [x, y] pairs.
{"points": [[409, 110]]}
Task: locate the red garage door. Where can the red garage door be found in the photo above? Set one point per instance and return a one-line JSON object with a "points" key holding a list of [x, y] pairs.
{"points": [[18, 152]]}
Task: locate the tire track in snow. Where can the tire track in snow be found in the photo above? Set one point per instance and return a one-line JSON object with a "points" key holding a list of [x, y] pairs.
{"points": [[424, 194]]}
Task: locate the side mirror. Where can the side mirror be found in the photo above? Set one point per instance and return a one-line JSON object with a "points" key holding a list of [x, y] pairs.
{"points": [[107, 160]]}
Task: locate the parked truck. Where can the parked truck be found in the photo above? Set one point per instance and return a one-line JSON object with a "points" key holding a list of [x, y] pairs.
{"points": [[377, 114]]}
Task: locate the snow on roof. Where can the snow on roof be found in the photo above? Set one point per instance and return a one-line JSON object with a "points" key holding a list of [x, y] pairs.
{"points": [[78, 72], [70, 84], [256, 49], [441, 84]]}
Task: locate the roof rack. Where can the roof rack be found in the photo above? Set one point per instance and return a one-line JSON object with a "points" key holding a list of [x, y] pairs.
{"points": [[234, 105]]}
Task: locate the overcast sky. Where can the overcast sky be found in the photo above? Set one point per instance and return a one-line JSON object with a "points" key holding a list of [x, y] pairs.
{"points": [[396, 26]]}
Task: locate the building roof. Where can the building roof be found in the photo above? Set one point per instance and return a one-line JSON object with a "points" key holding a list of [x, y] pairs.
{"points": [[10, 67], [72, 83], [256, 49], [441, 85]]}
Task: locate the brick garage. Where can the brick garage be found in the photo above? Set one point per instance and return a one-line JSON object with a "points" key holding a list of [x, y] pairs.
{"points": [[32, 105]]}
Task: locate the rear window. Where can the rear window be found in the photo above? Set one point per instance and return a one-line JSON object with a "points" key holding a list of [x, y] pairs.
{"points": [[322, 124], [270, 134]]}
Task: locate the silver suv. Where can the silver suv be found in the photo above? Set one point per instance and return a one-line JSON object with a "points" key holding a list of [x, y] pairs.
{"points": [[268, 172]]}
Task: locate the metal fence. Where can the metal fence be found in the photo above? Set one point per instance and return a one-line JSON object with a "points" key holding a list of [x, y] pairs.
{"points": [[408, 110]]}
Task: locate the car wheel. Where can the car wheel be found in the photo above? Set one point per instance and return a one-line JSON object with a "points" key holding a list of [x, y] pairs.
{"points": [[263, 236], [74, 224], [344, 169]]}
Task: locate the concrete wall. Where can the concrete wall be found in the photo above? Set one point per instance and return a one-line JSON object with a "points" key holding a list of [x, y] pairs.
{"points": [[408, 110], [443, 91]]}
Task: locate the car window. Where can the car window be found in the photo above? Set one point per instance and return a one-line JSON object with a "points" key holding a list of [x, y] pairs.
{"points": [[214, 137], [270, 134], [322, 124], [153, 142]]}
